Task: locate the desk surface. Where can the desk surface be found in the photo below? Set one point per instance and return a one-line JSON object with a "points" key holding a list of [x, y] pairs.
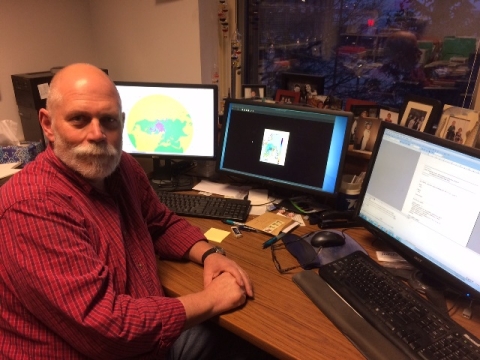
{"points": [[280, 319]]}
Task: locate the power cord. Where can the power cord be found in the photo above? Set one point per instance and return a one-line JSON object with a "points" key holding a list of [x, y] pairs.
{"points": [[467, 312]]}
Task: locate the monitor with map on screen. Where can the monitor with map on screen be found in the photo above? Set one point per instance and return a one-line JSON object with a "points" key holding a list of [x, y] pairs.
{"points": [[174, 124]]}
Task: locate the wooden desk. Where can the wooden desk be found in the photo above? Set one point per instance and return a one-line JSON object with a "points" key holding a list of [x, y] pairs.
{"points": [[280, 319]]}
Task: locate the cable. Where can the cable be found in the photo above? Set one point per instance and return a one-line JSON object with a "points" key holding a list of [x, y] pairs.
{"points": [[467, 312]]}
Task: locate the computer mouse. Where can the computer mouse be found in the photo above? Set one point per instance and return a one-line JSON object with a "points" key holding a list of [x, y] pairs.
{"points": [[327, 238]]}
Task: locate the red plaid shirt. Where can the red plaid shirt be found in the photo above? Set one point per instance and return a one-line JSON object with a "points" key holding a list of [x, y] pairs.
{"points": [[78, 276]]}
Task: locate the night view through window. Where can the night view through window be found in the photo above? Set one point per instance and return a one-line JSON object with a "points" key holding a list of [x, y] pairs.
{"points": [[374, 50]]}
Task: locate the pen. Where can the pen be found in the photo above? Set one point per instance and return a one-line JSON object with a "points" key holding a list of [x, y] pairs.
{"points": [[251, 229], [242, 226], [273, 240]]}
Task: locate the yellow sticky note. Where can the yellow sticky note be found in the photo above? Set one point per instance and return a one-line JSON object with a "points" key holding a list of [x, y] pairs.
{"points": [[216, 235]]}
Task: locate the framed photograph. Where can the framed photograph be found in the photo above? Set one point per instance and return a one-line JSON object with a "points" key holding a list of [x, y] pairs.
{"points": [[287, 96], [420, 113], [325, 102], [318, 101], [364, 133], [309, 86], [459, 125], [388, 114], [333, 103], [253, 91]]}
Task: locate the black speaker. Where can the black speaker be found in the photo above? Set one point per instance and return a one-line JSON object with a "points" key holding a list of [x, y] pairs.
{"points": [[31, 91]]}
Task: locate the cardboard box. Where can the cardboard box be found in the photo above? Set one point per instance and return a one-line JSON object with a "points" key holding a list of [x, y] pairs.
{"points": [[24, 153]]}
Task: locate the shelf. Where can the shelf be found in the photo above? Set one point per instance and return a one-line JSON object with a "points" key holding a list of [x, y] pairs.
{"points": [[359, 154]]}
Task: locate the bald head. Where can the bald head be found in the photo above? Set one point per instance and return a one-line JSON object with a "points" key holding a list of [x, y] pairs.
{"points": [[83, 121], [79, 77]]}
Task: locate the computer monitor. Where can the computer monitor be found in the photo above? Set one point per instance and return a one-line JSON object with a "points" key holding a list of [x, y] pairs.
{"points": [[167, 121], [285, 147], [421, 196]]}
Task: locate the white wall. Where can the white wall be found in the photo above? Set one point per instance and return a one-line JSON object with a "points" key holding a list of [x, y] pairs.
{"points": [[36, 36], [141, 40], [147, 40]]}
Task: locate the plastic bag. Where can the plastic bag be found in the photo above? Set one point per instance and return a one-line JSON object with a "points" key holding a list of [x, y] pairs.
{"points": [[8, 133]]}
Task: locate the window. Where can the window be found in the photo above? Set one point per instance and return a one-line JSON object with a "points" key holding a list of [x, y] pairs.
{"points": [[376, 50]]}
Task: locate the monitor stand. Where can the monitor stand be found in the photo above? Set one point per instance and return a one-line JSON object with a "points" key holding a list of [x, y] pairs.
{"points": [[204, 169], [168, 176]]}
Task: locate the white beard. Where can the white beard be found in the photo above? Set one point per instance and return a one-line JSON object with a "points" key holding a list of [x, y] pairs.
{"points": [[94, 161]]}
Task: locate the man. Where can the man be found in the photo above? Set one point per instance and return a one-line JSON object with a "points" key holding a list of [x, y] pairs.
{"points": [[401, 69], [81, 228], [451, 131], [366, 135]]}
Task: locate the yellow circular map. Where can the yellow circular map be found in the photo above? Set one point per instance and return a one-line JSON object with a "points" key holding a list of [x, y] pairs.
{"points": [[159, 123]]}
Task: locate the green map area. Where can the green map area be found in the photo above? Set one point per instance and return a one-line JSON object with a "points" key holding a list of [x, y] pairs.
{"points": [[159, 123], [165, 135]]}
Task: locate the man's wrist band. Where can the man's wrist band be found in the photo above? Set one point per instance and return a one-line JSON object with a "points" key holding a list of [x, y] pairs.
{"points": [[215, 249]]}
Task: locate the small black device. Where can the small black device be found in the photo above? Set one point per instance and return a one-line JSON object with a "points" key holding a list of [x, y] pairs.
{"points": [[335, 215], [236, 232], [329, 219]]}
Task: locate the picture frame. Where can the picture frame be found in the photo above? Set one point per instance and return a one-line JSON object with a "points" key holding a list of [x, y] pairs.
{"points": [[287, 96], [351, 101], [254, 91], [371, 111], [308, 86], [459, 125], [365, 126], [333, 103], [364, 133], [389, 114], [420, 113]]}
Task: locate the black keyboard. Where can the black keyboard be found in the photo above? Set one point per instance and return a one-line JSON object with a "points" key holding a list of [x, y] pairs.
{"points": [[408, 320], [206, 206]]}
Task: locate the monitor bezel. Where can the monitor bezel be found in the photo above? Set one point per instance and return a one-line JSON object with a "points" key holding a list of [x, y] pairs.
{"points": [[280, 186], [427, 267]]}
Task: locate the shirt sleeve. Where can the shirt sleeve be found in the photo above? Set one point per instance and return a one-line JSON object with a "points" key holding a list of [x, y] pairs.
{"points": [[173, 236], [51, 266]]}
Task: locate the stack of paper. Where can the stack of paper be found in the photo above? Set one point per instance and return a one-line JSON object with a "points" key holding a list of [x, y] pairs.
{"points": [[271, 223]]}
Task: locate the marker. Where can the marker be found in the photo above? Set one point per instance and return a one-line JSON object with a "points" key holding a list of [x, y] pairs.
{"points": [[231, 222], [273, 240]]}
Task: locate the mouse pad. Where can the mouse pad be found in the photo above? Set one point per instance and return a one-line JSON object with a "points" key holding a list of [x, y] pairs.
{"points": [[304, 252]]}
